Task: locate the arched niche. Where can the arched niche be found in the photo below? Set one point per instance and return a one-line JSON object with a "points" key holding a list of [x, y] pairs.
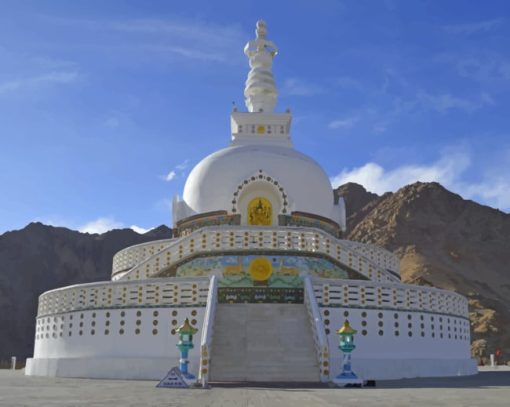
{"points": [[260, 187]]}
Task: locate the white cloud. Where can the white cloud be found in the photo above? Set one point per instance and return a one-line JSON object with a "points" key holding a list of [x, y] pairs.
{"points": [[178, 170], [193, 39], [346, 123], [170, 176], [379, 180], [488, 67], [100, 225], [449, 170], [348, 82], [298, 87], [444, 102], [495, 192], [182, 166], [51, 78], [191, 30], [139, 229], [190, 53], [474, 27]]}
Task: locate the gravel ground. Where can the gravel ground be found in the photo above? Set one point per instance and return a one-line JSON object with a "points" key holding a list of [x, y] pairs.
{"points": [[488, 388]]}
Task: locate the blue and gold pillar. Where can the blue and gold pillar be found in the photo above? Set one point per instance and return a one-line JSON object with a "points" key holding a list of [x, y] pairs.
{"points": [[186, 332]]}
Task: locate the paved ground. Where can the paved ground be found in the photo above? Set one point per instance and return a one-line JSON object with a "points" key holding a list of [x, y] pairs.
{"points": [[488, 388]]}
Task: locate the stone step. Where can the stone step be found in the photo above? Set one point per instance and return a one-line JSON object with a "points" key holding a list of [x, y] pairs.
{"points": [[263, 342]]}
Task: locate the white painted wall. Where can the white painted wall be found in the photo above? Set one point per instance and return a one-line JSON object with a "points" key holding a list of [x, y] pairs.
{"points": [[58, 336], [455, 343]]}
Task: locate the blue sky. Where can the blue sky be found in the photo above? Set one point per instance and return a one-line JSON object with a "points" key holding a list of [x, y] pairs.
{"points": [[105, 106]]}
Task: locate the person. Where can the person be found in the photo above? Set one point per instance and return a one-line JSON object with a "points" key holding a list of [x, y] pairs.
{"points": [[498, 355]]}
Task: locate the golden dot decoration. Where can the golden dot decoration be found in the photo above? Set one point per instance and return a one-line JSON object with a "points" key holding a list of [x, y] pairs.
{"points": [[261, 129]]}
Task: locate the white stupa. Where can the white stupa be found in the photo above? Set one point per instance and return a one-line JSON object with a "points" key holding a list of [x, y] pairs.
{"points": [[258, 265]]}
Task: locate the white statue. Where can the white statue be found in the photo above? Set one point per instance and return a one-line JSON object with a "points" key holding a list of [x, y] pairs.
{"points": [[260, 91]]}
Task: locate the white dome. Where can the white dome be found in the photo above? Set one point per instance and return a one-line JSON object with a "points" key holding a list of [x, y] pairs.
{"points": [[213, 182]]}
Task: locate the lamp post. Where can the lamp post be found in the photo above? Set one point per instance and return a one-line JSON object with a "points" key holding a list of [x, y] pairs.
{"points": [[186, 332], [347, 377]]}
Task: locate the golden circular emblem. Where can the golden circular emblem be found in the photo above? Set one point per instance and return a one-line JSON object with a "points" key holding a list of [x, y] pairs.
{"points": [[261, 129], [260, 269]]}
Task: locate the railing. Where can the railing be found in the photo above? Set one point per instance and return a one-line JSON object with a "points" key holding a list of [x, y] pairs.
{"points": [[378, 255], [157, 292], [131, 256], [318, 330], [237, 238], [207, 332], [371, 294]]}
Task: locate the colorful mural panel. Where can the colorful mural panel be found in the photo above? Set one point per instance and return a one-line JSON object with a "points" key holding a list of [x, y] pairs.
{"points": [[278, 271]]}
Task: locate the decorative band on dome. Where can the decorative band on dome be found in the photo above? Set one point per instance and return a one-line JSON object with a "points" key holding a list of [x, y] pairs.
{"points": [[257, 177]]}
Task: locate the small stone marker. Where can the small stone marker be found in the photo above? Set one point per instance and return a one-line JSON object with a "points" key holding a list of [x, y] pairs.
{"points": [[174, 379]]}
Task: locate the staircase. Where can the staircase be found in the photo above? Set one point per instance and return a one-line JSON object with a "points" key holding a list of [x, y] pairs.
{"points": [[263, 343]]}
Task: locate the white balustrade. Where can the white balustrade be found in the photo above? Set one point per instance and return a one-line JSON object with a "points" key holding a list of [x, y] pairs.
{"points": [[155, 292], [131, 256], [208, 332], [318, 330], [237, 238], [371, 294], [377, 254]]}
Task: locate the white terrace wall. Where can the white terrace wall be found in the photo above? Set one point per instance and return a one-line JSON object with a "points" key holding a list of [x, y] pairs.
{"points": [[116, 330], [403, 330]]}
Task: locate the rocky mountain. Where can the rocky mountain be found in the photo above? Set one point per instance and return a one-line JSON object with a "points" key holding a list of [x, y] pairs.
{"points": [[441, 239], [444, 241], [39, 258]]}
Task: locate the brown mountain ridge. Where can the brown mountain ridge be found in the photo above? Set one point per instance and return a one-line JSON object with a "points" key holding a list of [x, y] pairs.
{"points": [[38, 258], [441, 239], [444, 241]]}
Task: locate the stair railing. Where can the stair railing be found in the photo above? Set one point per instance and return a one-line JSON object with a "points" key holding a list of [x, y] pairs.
{"points": [[207, 332], [318, 330]]}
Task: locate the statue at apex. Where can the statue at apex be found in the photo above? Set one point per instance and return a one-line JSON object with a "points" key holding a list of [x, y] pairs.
{"points": [[260, 92]]}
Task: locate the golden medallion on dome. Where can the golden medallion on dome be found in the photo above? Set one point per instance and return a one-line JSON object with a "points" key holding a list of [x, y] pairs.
{"points": [[260, 212], [260, 270]]}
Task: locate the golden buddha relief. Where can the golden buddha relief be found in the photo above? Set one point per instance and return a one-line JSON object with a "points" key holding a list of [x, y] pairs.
{"points": [[260, 212]]}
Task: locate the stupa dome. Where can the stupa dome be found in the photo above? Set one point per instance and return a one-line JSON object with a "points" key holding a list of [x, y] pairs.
{"points": [[260, 176], [228, 177]]}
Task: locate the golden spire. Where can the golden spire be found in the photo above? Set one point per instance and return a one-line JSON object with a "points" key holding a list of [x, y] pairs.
{"points": [[186, 328], [346, 329]]}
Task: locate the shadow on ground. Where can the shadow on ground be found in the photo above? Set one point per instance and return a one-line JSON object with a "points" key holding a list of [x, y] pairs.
{"points": [[481, 380]]}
